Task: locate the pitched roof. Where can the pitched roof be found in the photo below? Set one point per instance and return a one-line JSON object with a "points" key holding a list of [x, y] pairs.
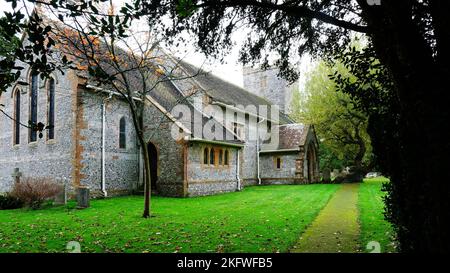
{"points": [[217, 88], [226, 92], [168, 96], [291, 136]]}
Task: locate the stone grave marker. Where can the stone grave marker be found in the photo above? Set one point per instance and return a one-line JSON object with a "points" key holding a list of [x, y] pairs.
{"points": [[326, 176], [61, 198], [83, 197]]}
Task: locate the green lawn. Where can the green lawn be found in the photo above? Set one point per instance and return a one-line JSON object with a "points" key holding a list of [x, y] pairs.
{"points": [[258, 219], [371, 207]]}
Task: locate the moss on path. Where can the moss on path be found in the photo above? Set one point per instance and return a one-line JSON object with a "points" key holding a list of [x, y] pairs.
{"points": [[336, 228]]}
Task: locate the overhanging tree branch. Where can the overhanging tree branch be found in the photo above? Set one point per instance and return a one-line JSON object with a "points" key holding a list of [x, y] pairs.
{"points": [[296, 11]]}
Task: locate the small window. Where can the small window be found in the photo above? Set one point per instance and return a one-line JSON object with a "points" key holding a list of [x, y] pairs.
{"points": [[225, 160], [17, 117], [211, 156], [205, 156], [278, 163], [220, 157], [51, 109], [33, 106], [123, 133]]}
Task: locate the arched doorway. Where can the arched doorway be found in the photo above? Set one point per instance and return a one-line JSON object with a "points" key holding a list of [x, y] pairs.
{"points": [[153, 158], [311, 159]]}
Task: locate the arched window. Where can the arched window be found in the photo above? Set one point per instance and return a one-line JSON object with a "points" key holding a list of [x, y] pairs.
{"points": [[220, 157], [211, 156], [226, 156], [122, 133], [51, 109], [33, 106], [17, 117], [205, 156]]}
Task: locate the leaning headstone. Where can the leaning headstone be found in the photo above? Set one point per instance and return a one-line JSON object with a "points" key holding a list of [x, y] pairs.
{"points": [[82, 197], [326, 176], [61, 197]]}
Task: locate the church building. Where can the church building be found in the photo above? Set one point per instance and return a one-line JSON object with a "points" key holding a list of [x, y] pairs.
{"points": [[92, 142]]}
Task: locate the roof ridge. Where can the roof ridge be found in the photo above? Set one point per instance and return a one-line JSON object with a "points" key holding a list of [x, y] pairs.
{"points": [[225, 81], [294, 124]]}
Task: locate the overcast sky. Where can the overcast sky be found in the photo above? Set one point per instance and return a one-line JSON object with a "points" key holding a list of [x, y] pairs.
{"points": [[230, 70]]}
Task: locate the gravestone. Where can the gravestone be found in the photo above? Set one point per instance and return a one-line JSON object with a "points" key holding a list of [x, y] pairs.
{"points": [[334, 173], [61, 197], [16, 175], [83, 197], [326, 176]]}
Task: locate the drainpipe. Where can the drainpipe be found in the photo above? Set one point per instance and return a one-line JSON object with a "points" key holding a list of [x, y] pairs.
{"points": [[257, 151], [105, 194], [237, 171]]}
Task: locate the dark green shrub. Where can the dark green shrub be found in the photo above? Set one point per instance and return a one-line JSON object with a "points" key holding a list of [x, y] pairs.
{"points": [[10, 202]]}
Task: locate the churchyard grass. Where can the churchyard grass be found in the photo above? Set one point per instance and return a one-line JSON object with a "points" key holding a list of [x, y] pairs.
{"points": [[373, 225], [258, 219]]}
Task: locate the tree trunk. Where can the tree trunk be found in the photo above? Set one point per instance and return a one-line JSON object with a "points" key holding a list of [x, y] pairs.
{"points": [[420, 190], [361, 151], [138, 121], [147, 179], [137, 112]]}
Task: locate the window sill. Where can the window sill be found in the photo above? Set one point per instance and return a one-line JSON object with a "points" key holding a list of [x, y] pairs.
{"points": [[216, 166], [33, 144]]}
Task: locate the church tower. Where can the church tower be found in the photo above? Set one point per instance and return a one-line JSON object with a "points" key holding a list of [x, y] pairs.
{"points": [[268, 85]]}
